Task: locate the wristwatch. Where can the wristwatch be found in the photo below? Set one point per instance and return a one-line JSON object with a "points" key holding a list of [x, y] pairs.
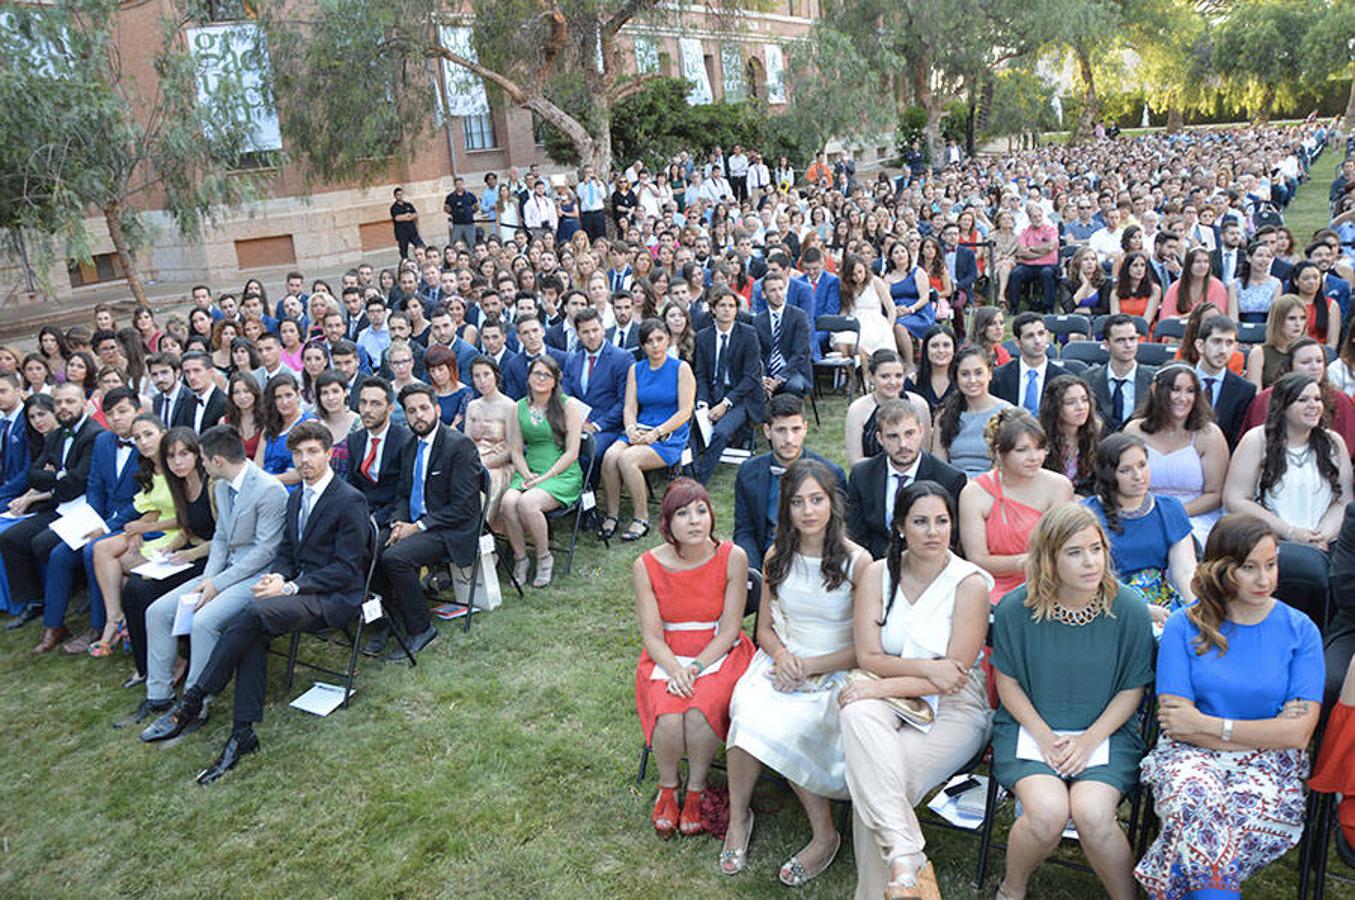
{"points": [[289, 588], [1227, 733]]}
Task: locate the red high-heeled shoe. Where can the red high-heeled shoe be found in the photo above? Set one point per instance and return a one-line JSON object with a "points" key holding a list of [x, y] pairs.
{"points": [[665, 812], [690, 823]]}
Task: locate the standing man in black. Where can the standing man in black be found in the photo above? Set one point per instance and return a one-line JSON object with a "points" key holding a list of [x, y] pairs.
{"points": [[58, 475], [435, 513], [316, 580], [405, 218], [460, 205]]}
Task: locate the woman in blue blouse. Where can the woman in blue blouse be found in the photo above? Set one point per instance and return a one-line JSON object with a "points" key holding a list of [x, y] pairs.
{"points": [[281, 411], [1239, 683], [443, 375], [1151, 542]]}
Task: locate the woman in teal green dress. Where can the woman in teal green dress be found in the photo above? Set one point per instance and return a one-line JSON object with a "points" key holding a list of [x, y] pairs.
{"points": [[546, 474], [1073, 651]]}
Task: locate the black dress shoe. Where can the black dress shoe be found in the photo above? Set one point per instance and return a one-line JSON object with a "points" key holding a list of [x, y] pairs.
{"points": [[375, 644], [144, 711], [236, 747], [416, 643], [173, 723], [27, 614]]}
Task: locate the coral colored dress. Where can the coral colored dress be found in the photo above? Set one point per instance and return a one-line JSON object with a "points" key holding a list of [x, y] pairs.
{"points": [[690, 604], [1008, 529]]}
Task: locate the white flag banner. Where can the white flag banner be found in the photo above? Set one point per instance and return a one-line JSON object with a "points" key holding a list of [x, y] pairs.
{"points": [[227, 56], [646, 55], [776, 73], [731, 64], [465, 90], [694, 70]]}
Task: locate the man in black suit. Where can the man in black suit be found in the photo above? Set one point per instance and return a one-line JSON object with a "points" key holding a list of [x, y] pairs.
{"points": [[1225, 261], [435, 513], [783, 330], [626, 332], [1230, 395], [170, 393], [728, 379], [564, 335], [1120, 385], [757, 487], [376, 452], [207, 405], [315, 581], [59, 474], [876, 482], [1021, 382], [355, 313]]}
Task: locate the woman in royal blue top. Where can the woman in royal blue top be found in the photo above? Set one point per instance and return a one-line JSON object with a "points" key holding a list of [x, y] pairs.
{"points": [[1239, 683]]}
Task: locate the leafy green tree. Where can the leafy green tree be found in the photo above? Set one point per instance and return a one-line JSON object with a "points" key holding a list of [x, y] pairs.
{"points": [[1175, 72], [1257, 51], [1021, 103], [93, 138], [1327, 51], [1089, 30]]}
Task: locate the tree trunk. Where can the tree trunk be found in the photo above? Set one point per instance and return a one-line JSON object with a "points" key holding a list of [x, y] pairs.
{"points": [[113, 217], [923, 97], [1267, 104], [1091, 103], [1175, 120], [1350, 103]]}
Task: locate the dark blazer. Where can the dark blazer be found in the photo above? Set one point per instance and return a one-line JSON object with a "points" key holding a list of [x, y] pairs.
{"points": [[1235, 395], [1068, 306], [16, 459], [381, 494], [557, 337], [966, 269], [752, 490], [76, 478], [186, 412], [632, 335], [798, 294], [329, 560], [451, 492], [1216, 261], [111, 495], [1006, 378], [606, 395], [744, 366], [1099, 378], [515, 372], [182, 397], [795, 345], [828, 295], [866, 497], [354, 326]]}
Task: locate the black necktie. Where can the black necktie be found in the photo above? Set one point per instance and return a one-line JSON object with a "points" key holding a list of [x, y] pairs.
{"points": [[1117, 400], [1209, 389], [722, 361], [5, 426], [125, 444]]}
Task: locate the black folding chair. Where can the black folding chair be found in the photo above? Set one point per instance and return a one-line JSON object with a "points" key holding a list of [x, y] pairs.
{"points": [[349, 675], [1074, 366], [1155, 354], [1099, 326], [1170, 330], [577, 508], [835, 364], [753, 606], [1062, 326], [1251, 333], [1089, 352]]}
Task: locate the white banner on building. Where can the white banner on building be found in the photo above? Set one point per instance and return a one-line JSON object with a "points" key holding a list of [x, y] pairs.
{"points": [[776, 73], [45, 54], [236, 53], [731, 65], [694, 70], [646, 55], [465, 90]]}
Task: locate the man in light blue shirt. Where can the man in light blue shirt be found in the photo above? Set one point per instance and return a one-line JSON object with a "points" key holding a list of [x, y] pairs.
{"points": [[490, 198], [375, 339]]}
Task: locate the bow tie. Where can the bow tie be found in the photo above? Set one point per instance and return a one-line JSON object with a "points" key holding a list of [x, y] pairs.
{"points": [[778, 470], [124, 444], [67, 432]]}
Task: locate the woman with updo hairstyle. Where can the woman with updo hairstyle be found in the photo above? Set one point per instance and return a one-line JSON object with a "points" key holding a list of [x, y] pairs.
{"points": [[1239, 690], [1293, 472], [920, 621], [887, 377], [1151, 543], [1000, 508], [784, 711], [690, 594], [1072, 654], [1069, 419], [963, 417]]}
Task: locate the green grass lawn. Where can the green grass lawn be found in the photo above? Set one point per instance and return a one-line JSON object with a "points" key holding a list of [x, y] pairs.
{"points": [[502, 766]]}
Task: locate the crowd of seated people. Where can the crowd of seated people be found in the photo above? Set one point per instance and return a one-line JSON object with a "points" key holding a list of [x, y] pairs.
{"points": [[1094, 509]]}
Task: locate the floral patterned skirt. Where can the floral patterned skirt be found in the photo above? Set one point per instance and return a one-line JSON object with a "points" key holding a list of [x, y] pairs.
{"points": [[1226, 814], [1155, 587]]}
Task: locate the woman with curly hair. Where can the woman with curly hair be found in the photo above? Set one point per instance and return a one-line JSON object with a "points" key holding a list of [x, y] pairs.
{"points": [[1292, 472], [783, 713], [1068, 417], [1151, 544], [1239, 686]]}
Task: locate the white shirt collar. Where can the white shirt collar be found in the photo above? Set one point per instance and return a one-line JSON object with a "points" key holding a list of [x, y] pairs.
{"points": [[380, 435], [910, 473], [239, 480], [430, 437], [319, 487], [1025, 367], [1130, 376]]}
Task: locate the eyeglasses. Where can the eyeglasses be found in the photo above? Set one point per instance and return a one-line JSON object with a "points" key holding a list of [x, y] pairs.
{"points": [[401, 362]]}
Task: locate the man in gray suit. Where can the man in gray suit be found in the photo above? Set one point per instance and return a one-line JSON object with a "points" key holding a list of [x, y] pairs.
{"points": [[1121, 385], [251, 508]]}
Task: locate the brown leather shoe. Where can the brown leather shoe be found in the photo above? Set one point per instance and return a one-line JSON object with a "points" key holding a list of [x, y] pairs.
{"points": [[79, 645], [51, 639]]}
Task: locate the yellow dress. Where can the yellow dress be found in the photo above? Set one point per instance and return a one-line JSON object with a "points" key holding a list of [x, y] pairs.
{"points": [[158, 499]]}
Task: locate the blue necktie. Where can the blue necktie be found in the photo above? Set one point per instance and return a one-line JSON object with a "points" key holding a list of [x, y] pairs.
{"points": [[776, 362], [416, 507], [5, 426], [307, 498], [1032, 400]]}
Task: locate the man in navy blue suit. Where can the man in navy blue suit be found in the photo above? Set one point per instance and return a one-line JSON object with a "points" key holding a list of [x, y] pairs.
{"points": [[728, 378], [596, 375], [797, 293], [626, 332], [13, 439], [757, 488], [532, 337], [111, 489], [784, 333], [961, 261], [564, 334]]}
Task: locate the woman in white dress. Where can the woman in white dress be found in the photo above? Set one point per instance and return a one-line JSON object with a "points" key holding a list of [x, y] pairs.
{"points": [[509, 213], [921, 619], [865, 296], [784, 712]]}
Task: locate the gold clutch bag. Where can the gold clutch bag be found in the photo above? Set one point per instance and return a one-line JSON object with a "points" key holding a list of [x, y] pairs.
{"points": [[913, 710]]}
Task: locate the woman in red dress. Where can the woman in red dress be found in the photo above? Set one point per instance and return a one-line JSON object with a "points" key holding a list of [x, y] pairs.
{"points": [[689, 596]]}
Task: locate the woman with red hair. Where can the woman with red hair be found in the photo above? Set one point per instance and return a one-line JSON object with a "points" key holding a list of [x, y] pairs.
{"points": [[689, 596]]}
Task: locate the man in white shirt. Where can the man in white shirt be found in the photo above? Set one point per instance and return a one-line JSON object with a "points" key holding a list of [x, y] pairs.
{"points": [[759, 177], [738, 173], [1106, 241], [592, 198], [538, 213], [715, 189]]}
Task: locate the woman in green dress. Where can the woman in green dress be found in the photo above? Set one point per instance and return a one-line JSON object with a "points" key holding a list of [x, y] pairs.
{"points": [[1073, 651], [546, 474]]}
